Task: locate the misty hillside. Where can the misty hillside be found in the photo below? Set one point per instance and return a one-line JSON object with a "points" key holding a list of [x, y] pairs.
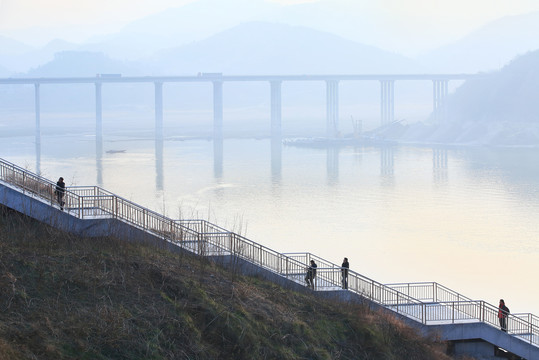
{"points": [[489, 47], [499, 109], [508, 95], [270, 48]]}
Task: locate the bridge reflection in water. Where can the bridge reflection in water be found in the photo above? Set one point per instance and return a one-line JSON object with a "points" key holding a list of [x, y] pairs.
{"points": [[333, 153]]}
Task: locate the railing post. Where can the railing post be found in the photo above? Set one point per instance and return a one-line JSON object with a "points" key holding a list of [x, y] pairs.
{"points": [[481, 311], [144, 218]]}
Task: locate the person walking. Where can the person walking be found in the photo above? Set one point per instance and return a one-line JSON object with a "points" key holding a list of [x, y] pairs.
{"points": [[60, 191], [503, 312], [311, 274], [344, 273]]}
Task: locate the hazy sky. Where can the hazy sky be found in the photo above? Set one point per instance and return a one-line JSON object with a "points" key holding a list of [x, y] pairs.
{"points": [[452, 19]]}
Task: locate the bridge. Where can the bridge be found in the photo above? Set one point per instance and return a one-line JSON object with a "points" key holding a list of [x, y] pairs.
{"points": [[387, 99], [470, 325]]}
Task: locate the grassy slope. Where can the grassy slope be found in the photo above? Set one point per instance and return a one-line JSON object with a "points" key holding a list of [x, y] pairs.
{"points": [[63, 297]]}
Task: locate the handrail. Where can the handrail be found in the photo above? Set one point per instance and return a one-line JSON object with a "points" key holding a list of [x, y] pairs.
{"points": [[425, 302], [429, 291]]}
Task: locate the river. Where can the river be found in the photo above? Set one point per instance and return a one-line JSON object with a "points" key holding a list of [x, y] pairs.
{"points": [[465, 217]]}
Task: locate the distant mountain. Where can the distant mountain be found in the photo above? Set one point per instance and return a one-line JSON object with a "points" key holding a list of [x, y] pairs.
{"points": [[178, 26], [29, 57], [10, 51], [271, 48], [83, 63], [200, 19], [488, 48], [10, 47]]}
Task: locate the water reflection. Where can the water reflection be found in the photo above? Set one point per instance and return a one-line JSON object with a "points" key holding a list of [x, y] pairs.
{"points": [[332, 164], [159, 173], [387, 165], [439, 165], [38, 153], [218, 157], [276, 159], [99, 160]]}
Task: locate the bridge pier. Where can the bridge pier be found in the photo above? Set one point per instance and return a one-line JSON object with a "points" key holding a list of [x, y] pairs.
{"points": [[439, 95], [387, 101], [217, 109], [332, 108], [37, 104]]}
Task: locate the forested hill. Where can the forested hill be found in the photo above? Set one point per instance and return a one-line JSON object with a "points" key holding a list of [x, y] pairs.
{"points": [[64, 297]]}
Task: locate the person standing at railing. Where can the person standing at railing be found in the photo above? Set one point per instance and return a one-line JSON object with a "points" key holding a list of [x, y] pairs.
{"points": [[503, 312], [60, 191], [311, 274], [344, 273]]}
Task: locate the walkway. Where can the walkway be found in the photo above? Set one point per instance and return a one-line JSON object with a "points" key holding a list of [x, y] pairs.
{"points": [[431, 307]]}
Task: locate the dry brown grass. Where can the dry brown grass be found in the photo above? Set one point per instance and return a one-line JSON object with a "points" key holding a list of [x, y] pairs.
{"points": [[63, 297]]}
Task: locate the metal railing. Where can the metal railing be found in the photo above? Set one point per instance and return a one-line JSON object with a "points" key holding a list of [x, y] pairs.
{"points": [[429, 291], [428, 303]]}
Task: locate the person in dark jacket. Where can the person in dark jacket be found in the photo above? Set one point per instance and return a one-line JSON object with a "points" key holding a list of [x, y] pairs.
{"points": [[344, 273], [60, 191], [311, 274], [503, 312]]}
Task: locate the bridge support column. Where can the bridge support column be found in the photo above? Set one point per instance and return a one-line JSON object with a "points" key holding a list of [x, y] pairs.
{"points": [[439, 95], [387, 101], [37, 104], [332, 108], [276, 109], [158, 110], [217, 109]]}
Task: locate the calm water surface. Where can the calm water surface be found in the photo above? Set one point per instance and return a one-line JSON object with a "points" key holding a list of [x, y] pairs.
{"points": [[464, 217]]}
